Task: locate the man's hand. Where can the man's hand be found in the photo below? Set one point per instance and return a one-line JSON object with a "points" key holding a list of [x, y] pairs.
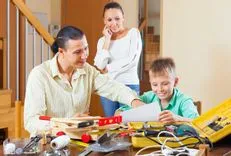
{"points": [[136, 103], [81, 114], [104, 71]]}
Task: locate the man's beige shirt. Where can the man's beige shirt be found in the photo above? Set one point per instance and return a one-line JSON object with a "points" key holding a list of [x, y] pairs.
{"points": [[49, 93]]}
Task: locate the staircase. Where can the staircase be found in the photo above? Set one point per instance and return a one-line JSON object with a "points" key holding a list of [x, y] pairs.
{"points": [[151, 52], [6, 113], [14, 60], [152, 47]]}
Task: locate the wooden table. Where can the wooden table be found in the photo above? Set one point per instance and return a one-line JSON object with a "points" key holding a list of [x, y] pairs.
{"points": [[220, 148]]}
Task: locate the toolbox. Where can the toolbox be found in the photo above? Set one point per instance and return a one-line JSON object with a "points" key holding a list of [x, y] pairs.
{"points": [[145, 134], [216, 123], [210, 127]]}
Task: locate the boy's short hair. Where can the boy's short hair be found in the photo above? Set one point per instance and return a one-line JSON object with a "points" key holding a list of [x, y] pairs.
{"points": [[162, 66]]}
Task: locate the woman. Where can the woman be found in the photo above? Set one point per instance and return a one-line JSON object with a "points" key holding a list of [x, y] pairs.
{"points": [[62, 86], [118, 53]]}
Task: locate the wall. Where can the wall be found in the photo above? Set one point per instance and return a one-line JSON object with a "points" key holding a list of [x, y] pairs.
{"points": [[43, 6], [197, 35], [55, 10], [153, 14], [48, 13], [131, 11]]}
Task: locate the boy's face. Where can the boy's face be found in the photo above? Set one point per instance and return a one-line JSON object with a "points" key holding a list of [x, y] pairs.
{"points": [[162, 85]]}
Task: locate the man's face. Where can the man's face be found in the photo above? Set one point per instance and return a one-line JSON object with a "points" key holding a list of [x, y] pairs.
{"points": [[76, 52], [162, 85]]}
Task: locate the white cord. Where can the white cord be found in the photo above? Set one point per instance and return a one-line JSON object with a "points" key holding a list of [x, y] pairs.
{"points": [[164, 146], [145, 148], [165, 150]]}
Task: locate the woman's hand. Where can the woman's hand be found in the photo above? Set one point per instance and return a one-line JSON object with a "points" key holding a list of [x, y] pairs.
{"points": [[107, 32]]}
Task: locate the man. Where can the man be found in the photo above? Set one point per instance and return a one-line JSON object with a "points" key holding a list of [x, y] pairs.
{"points": [[62, 86]]}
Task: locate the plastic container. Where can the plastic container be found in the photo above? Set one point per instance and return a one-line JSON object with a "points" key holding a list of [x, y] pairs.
{"points": [[17, 146]]}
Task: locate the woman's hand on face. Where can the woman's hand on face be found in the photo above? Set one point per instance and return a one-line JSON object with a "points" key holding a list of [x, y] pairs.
{"points": [[107, 32], [167, 116]]}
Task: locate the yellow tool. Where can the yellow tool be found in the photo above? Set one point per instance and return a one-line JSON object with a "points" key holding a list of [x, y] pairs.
{"points": [[79, 143]]}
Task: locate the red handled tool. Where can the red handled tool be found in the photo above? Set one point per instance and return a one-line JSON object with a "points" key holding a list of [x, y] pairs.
{"points": [[84, 123]]}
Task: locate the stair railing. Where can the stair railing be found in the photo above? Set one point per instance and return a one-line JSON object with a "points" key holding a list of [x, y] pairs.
{"points": [[46, 40], [143, 30]]}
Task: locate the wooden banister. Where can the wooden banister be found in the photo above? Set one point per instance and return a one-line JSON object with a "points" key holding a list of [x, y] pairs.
{"points": [[143, 25], [1, 44], [3, 49], [33, 21]]}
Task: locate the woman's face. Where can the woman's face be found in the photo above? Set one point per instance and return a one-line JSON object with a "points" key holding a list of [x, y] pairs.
{"points": [[114, 20], [76, 52]]}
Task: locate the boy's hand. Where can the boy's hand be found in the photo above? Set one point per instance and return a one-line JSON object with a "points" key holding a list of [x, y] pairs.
{"points": [[136, 103], [167, 116]]}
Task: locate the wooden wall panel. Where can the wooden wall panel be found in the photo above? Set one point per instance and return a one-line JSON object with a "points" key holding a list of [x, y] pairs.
{"points": [[2, 35], [86, 15], [2, 18]]}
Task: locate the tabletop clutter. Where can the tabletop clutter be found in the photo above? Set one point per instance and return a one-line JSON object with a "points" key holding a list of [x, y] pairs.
{"points": [[106, 134]]}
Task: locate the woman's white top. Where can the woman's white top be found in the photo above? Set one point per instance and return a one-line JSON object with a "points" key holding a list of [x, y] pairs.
{"points": [[122, 57]]}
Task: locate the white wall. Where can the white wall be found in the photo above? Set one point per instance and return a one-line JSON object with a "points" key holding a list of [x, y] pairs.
{"points": [[197, 34], [43, 6], [55, 10], [131, 11], [48, 12], [154, 15]]}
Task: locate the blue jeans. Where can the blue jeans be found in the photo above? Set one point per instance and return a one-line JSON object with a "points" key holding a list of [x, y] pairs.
{"points": [[110, 107]]}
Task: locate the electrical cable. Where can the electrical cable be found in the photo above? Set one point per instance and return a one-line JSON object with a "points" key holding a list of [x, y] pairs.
{"points": [[145, 148], [166, 150], [163, 152], [153, 140]]}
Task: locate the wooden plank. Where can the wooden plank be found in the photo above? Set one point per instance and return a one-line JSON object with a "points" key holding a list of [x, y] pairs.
{"points": [[7, 120], [4, 63], [1, 63], [1, 44], [5, 99]]}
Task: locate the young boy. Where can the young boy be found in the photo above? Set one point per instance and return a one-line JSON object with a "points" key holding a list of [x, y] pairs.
{"points": [[174, 104]]}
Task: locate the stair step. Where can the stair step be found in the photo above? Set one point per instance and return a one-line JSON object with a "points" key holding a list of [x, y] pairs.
{"points": [[156, 38], [151, 30], [149, 57], [149, 37], [152, 38], [152, 46], [147, 63], [5, 98]]}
